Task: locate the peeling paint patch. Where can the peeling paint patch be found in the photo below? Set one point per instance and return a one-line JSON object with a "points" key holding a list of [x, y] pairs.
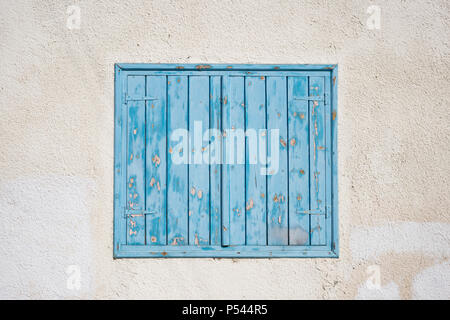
{"points": [[249, 205], [156, 160], [196, 239], [177, 241], [202, 67], [293, 142]]}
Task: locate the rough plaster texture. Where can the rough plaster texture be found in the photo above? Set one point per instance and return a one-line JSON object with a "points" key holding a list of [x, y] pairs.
{"points": [[56, 144]]}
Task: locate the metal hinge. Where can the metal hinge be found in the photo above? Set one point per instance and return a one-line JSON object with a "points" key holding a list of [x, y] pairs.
{"points": [[325, 212], [137, 98], [137, 213], [314, 98]]}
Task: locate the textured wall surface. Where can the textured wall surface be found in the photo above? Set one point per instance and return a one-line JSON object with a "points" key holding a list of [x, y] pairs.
{"points": [[56, 144]]}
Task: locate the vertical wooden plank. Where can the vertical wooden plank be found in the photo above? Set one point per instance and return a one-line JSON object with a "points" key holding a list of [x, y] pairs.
{"points": [[233, 179], [327, 134], [255, 119], [333, 145], [177, 171], [277, 183], [156, 160], [215, 182], [225, 212], [298, 144], [198, 169], [120, 154], [136, 161], [317, 161]]}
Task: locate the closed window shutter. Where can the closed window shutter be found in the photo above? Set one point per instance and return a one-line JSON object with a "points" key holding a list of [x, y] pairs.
{"points": [[181, 191]]}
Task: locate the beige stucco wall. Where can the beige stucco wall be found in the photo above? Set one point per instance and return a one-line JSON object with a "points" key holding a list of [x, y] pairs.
{"points": [[56, 144]]}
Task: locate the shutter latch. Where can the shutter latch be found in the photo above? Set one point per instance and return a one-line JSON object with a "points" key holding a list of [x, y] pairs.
{"points": [[315, 212], [138, 98], [313, 98], [137, 213]]}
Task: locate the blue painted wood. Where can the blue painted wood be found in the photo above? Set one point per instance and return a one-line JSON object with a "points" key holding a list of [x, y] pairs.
{"points": [[277, 181], [120, 152], [225, 192], [256, 191], [298, 144], [317, 172], [136, 162], [156, 160], [226, 67], [215, 156], [221, 232], [177, 173], [334, 207], [226, 252], [233, 73], [328, 173], [198, 170], [234, 141]]}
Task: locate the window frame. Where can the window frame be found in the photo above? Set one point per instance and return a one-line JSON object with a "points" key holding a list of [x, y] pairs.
{"points": [[122, 70]]}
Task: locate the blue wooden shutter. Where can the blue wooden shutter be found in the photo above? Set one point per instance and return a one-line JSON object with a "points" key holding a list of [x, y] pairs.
{"points": [[203, 208]]}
